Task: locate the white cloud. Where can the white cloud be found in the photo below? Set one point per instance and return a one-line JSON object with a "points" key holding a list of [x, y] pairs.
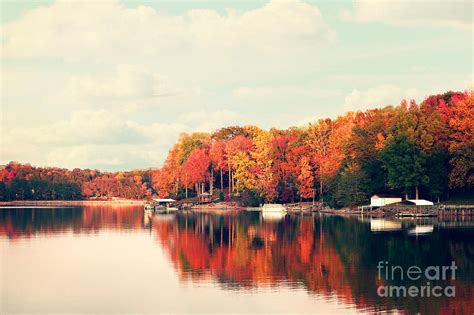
{"points": [[85, 156], [209, 121], [128, 82], [97, 127], [392, 94], [106, 29], [270, 92], [452, 14], [101, 139], [380, 96], [159, 132]]}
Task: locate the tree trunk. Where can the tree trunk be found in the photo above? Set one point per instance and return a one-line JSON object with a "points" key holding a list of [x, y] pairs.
{"points": [[416, 192], [211, 184], [321, 189], [222, 181], [186, 186], [233, 181], [230, 177]]}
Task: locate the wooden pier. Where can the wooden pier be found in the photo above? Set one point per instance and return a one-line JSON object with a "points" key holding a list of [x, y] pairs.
{"points": [[364, 208], [456, 210], [303, 207]]}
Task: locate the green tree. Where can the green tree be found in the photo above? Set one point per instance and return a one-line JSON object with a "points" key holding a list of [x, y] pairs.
{"points": [[352, 187], [438, 173], [405, 164]]}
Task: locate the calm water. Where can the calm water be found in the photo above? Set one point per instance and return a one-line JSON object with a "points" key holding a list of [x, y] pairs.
{"points": [[119, 260]]}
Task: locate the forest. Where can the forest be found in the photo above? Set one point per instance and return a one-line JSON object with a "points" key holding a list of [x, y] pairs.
{"points": [[25, 182], [415, 150]]}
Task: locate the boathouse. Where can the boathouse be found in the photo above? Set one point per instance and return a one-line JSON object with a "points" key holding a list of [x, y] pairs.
{"points": [[383, 200], [421, 202], [205, 197]]}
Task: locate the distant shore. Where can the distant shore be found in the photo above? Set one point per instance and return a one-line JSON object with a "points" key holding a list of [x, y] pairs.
{"points": [[72, 202]]}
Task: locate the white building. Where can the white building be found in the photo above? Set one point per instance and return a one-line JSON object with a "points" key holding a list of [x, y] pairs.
{"points": [[383, 200]]}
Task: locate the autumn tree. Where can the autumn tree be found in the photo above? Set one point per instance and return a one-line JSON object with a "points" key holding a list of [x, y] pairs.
{"points": [[245, 171], [366, 140], [461, 142], [266, 180], [229, 133], [318, 141], [306, 178], [218, 159], [233, 147], [196, 168]]}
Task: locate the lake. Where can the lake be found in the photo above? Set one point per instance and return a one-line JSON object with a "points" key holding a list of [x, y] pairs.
{"points": [[120, 260]]}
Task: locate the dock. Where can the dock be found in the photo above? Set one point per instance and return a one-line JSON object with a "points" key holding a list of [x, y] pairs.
{"points": [[455, 210], [304, 207]]}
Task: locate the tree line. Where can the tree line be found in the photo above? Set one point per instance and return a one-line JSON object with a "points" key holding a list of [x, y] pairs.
{"points": [[26, 182], [412, 149], [424, 149]]}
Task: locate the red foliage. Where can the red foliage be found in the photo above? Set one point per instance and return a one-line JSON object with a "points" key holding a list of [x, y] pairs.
{"points": [[196, 167]]}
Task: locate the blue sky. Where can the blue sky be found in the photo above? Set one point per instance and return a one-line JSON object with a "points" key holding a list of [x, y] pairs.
{"points": [[111, 84]]}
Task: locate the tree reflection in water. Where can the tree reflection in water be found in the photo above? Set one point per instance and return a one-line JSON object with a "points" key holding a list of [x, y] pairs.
{"points": [[325, 255]]}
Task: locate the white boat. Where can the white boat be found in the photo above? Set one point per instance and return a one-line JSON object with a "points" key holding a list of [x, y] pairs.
{"points": [[421, 229], [273, 207], [382, 225]]}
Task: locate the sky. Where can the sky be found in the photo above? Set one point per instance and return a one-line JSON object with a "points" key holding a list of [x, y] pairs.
{"points": [[110, 85]]}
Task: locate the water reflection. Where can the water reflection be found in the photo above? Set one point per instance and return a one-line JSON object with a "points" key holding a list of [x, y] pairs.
{"points": [[27, 222], [325, 256]]}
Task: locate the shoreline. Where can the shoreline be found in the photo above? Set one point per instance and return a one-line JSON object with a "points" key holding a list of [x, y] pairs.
{"points": [[72, 202]]}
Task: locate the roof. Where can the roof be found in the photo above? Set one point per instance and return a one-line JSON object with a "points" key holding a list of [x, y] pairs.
{"points": [[421, 202], [384, 196], [164, 200]]}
